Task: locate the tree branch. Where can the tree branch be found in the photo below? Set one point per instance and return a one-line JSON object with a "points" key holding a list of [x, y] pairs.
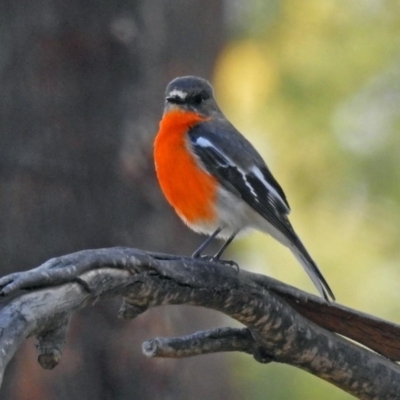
{"points": [[274, 315], [205, 342]]}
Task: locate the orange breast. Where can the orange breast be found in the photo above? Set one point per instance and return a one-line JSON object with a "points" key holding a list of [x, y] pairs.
{"points": [[189, 189]]}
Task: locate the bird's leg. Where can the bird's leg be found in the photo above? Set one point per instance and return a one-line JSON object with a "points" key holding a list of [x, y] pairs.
{"points": [[198, 252], [224, 246], [217, 256]]}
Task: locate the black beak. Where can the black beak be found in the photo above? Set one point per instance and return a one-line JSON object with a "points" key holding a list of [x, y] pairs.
{"points": [[174, 100]]}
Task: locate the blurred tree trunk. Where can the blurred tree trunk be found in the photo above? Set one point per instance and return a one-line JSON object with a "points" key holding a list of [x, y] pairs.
{"points": [[82, 86]]}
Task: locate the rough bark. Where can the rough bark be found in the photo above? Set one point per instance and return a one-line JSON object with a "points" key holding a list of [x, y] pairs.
{"points": [[282, 324]]}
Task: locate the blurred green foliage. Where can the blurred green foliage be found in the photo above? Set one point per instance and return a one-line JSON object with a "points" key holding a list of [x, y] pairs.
{"points": [[315, 85]]}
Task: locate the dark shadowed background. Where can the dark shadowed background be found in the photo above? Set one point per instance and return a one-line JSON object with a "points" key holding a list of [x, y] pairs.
{"points": [[82, 86]]}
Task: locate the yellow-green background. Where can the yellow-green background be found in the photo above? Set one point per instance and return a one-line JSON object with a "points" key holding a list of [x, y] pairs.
{"points": [[315, 85]]}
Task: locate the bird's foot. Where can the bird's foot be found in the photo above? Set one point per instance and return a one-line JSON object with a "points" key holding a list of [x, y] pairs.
{"points": [[217, 260], [229, 263]]}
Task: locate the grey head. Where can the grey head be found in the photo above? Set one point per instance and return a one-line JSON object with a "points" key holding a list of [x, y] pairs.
{"points": [[191, 93]]}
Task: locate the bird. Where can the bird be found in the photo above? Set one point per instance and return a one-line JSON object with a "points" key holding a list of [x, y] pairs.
{"points": [[214, 178]]}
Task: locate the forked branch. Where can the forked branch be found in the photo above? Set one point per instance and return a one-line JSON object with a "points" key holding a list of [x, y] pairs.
{"points": [[282, 324]]}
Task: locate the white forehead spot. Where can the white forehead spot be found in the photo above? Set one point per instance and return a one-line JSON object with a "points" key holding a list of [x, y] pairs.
{"points": [[179, 93]]}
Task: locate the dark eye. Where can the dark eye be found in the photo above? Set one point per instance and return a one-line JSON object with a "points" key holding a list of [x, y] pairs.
{"points": [[199, 98]]}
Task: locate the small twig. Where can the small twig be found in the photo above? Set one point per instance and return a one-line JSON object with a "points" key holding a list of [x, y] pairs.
{"points": [[52, 340], [204, 342]]}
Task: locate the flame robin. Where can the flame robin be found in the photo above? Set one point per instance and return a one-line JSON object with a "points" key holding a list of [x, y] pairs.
{"points": [[215, 179]]}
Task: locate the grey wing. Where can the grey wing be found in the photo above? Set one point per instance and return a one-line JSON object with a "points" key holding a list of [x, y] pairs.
{"points": [[257, 187], [255, 184]]}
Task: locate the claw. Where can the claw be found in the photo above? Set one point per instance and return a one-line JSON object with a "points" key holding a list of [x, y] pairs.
{"points": [[229, 263], [216, 260]]}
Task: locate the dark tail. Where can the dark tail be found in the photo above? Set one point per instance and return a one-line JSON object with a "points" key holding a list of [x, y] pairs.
{"points": [[312, 270]]}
